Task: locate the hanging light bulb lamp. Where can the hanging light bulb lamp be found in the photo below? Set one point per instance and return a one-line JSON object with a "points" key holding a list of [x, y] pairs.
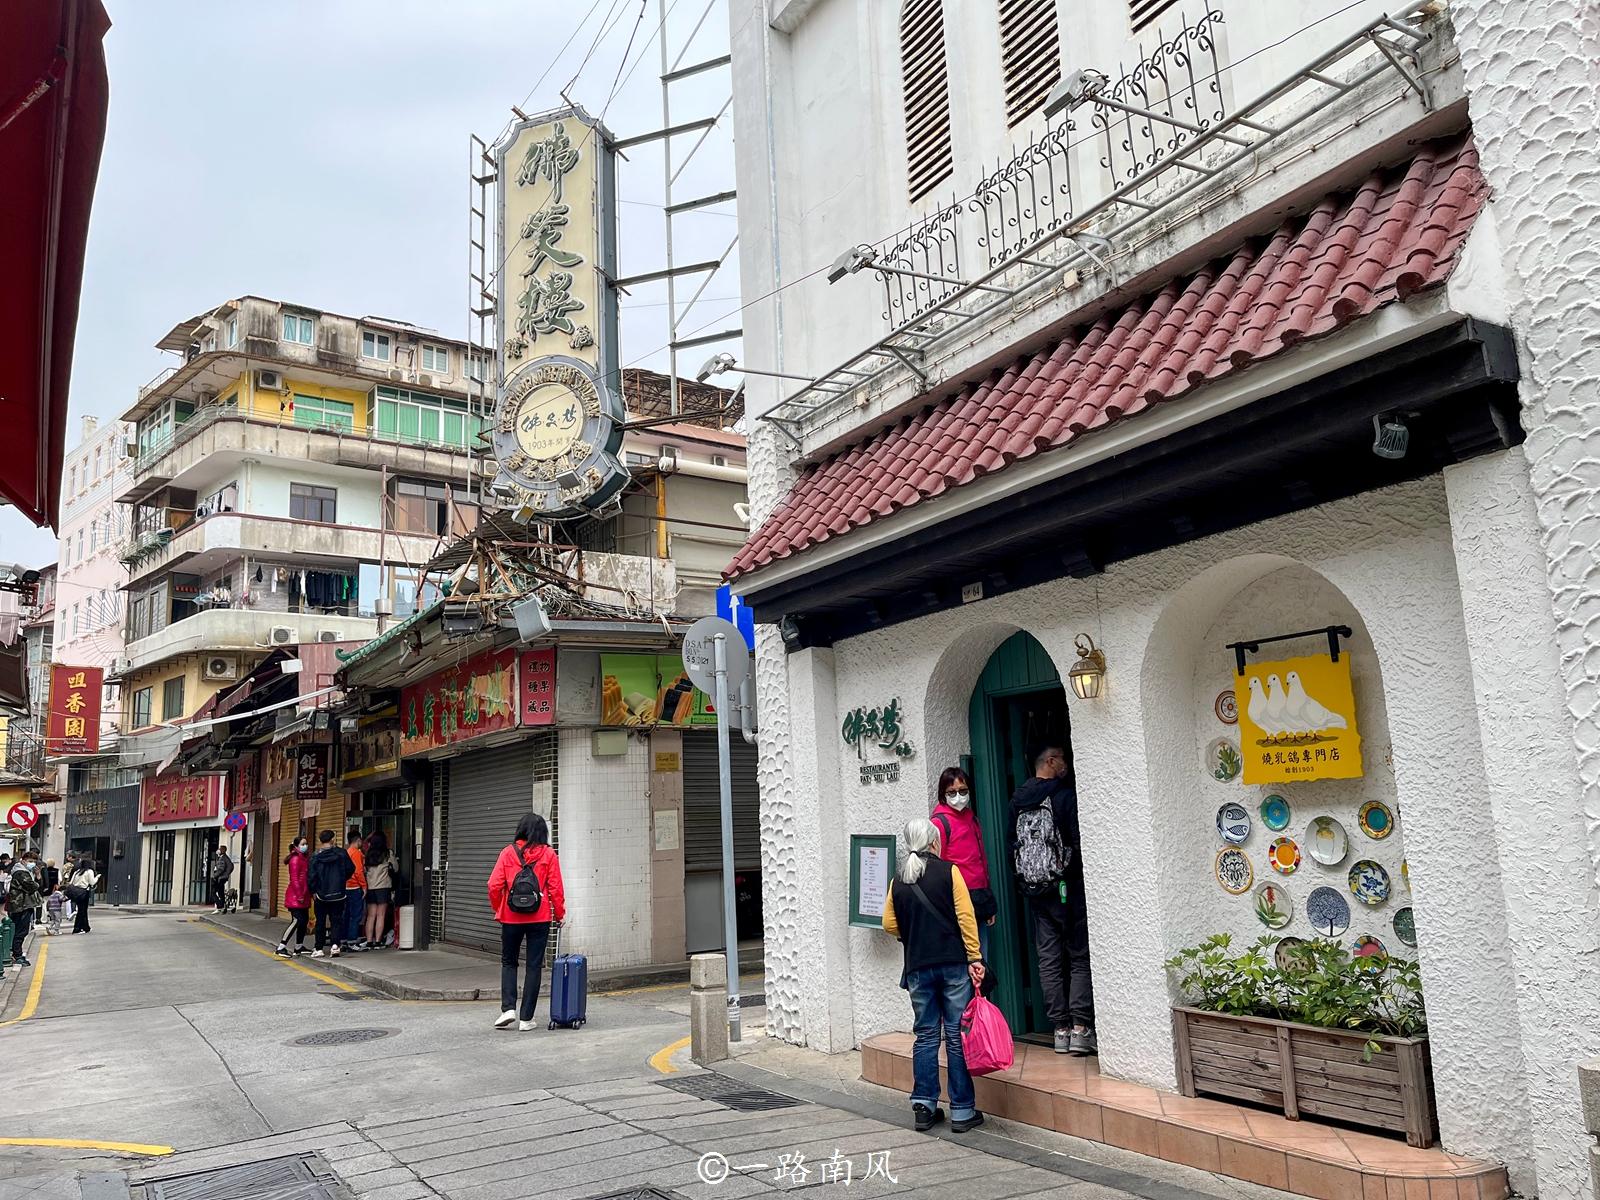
{"points": [[1089, 672]]}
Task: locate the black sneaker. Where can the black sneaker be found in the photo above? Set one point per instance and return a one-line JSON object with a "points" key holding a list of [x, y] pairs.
{"points": [[927, 1117], [971, 1122], [283, 952]]}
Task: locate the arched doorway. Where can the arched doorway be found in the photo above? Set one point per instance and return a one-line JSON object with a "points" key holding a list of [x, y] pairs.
{"points": [[1017, 704]]}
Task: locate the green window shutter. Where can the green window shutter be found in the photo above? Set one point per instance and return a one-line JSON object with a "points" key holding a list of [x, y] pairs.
{"points": [[430, 424], [386, 417], [453, 429], [407, 423]]}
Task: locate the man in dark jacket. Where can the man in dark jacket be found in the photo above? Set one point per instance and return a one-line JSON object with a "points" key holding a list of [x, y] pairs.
{"points": [[1045, 847], [330, 867], [221, 874]]}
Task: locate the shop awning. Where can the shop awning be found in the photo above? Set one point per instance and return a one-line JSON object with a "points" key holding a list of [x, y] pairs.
{"points": [[53, 97], [1396, 234]]}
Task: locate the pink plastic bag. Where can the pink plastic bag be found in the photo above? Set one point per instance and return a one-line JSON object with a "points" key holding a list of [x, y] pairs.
{"points": [[985, 1038]]}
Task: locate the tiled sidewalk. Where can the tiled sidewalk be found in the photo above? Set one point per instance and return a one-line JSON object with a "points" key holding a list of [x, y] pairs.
{"points": [[1312, 1159]]}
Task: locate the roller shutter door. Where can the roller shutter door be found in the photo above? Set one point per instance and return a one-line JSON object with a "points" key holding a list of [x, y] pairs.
{"points": [[702, 804], [288, 828], [490, 790]]}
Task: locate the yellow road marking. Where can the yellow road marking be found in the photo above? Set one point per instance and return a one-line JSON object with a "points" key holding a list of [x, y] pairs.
{"points": [[35, 986], [661, 1059], [288, 962], [79, 1144]]}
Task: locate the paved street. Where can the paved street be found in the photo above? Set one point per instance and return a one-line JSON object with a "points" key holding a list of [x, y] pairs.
{"points": [[159, 1030]]}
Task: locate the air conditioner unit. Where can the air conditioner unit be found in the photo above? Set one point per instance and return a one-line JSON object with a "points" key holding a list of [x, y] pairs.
{"points": [[202, 512], [201, 399], [121, 666], [130, 449], [327, 635], [281, 635], [269, 381], [425, 380], [397, 374], [382, 606], [219, 669]]}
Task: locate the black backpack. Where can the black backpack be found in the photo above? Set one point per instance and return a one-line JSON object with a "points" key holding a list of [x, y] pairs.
{"points": [[525, 895]]}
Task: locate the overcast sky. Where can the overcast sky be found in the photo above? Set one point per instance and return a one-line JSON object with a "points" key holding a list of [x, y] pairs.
{"points": [[317, 152]]}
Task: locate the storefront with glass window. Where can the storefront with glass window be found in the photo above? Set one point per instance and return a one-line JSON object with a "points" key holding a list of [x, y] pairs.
{"points": [[180, 823]]}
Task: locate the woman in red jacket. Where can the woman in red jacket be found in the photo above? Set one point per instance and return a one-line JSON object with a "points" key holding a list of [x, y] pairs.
{"points": [[520, 919], [296, 898], [961, 844]]}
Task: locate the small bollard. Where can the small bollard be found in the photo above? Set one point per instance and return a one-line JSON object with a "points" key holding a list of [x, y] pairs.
{"points": [[708, 1008]]}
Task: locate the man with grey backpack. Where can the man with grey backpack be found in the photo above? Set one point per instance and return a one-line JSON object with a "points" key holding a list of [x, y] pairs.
{"points": [[1049, 870]]}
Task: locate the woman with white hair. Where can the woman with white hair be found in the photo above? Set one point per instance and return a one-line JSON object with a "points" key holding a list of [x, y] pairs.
{"points": [[929, 910]]}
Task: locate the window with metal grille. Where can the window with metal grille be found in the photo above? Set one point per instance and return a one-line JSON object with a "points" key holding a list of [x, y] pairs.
{"points": [[1143, 12], [925, 78], [1030, 54]]}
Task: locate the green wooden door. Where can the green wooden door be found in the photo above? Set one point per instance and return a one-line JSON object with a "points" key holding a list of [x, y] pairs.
{"points": [[1017, 703]]}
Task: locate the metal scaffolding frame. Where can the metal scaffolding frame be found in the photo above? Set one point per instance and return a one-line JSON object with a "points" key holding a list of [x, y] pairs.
{"points": [[481, 300]]}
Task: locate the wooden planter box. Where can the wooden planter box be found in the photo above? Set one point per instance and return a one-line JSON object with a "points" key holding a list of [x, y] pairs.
{"points": [[1308, 1071]]}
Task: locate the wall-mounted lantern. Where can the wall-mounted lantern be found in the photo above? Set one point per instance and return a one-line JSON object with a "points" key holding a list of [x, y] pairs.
{"points": [[1089, 671]]}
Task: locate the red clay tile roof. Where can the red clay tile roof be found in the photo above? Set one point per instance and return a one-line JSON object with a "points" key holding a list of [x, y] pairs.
{"points": [[1394, 235]]}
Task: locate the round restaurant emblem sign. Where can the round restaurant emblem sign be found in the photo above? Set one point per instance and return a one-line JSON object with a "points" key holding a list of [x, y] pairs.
{"points": [[556, 436]]}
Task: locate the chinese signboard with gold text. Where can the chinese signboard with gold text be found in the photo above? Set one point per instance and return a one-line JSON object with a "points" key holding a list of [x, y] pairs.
{"points": [[1297, 720], [73, 726]]}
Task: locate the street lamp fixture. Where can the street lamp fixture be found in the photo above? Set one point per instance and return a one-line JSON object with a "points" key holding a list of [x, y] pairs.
{"points": [[1089, 672], [851, 261], [1073, 89]]}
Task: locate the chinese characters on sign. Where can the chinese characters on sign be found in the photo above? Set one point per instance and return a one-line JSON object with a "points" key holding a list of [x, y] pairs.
{"points": [[167, 798], [277, 770], [880, 727], [371, 754], [537, 676], [791, 1168], [73, 726], [310, 774], [481, 696], [245, 794], [1297, 720]]}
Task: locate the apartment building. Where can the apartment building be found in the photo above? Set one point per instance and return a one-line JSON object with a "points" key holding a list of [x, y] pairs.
{"points": [[288, 477]]}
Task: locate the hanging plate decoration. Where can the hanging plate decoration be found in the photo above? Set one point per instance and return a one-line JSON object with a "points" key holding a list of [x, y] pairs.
{"points": [[1222, 760], [1226, 706], [1327, 842], [1274, 908], [1275, 813], [1369, 883], [1328, 911], [1233, 870], [1377, 822], [1284, 856], [1405, 926], [1233, 823], [1367, 946], [1284, 955]]}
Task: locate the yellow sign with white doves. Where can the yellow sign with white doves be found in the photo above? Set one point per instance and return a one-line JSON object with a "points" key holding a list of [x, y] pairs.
{"points": [[1297, 720]]}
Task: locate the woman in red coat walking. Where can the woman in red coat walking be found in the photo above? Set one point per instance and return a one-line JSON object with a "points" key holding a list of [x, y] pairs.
{"points": [[297, 898], [524, 917]]}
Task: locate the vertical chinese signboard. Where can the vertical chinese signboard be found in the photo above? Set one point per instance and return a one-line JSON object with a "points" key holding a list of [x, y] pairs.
{"points": [[557, 426], [537, 677], [73, 726], [310, 776], [482, 695], [245, 794], [1297, 720]]}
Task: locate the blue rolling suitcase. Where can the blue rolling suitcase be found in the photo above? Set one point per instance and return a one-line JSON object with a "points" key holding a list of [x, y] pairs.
{"points": [[569, 989]]}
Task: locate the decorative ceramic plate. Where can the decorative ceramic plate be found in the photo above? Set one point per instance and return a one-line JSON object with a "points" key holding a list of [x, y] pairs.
{"points": [[1226, 707], [1328, 911], [1369, 883], [1327, 842], [1284, 856], [1233, 870], [1275, 813], [1284, 954], [1377, 822], [1233, 823], [1367, 946], [1222, 760], [1274, 908], [1405, 926]]}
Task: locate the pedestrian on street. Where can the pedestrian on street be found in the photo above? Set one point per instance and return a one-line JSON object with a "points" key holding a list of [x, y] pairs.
{"points": [[330, 867], [961, 845], [297, 898], [7, 930], [52, 876], [1045, 847], [22, 903], [380, 889], [355, 890], [221, 873], [81, 887], [929, 909], [526, 894]]}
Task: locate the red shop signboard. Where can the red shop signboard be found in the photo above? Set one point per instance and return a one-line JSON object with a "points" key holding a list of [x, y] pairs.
{"points": [[245, 795], [73, 725], [481, 696], [180, 798]]}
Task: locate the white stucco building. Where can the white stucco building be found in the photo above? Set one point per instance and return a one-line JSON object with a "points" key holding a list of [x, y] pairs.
{"points": [[1128, 376]]}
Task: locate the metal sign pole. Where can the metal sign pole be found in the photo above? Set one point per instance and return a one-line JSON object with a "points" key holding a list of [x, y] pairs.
{"points": [[730, 923]]}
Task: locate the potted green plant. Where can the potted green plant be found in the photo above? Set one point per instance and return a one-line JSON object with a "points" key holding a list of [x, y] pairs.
{"points": [[1323, 1034]]}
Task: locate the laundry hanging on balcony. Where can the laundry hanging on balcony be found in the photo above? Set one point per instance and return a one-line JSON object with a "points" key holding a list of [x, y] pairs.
{"points": [[321, 589]]}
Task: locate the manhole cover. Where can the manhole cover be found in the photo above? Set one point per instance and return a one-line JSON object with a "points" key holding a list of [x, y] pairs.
{"points": [[341, 1037], [299, 1177], [729, 1093], [639, 1193]]}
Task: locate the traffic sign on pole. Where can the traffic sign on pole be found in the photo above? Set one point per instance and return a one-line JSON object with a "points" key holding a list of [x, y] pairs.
{"points": [[699, 658], [22, 815], [234, 822]]}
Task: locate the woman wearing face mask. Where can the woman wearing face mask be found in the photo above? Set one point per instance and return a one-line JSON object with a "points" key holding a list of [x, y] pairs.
{"points": [[961, 845], [297, 899]]}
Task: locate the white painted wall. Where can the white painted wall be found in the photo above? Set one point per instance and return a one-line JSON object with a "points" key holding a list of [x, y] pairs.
{"points": [[265, 490]]}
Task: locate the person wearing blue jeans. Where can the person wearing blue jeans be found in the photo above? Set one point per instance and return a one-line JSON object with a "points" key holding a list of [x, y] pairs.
{"points": [[355, 892], [929, 909]]}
